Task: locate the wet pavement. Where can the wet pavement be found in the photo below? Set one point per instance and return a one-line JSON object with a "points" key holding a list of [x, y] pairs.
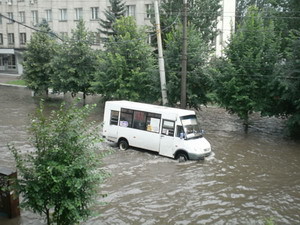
{"points": [[5, 77]]}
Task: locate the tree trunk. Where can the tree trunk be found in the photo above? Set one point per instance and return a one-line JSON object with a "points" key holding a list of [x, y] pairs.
{"points": [[246, 124], [48, 217], [84, 97]]}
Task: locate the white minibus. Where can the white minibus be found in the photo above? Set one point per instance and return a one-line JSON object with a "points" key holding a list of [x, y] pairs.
{"points": [[169, 131]]}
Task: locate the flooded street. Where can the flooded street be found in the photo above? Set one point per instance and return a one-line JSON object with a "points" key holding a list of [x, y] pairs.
{"points": [[249, 179]]}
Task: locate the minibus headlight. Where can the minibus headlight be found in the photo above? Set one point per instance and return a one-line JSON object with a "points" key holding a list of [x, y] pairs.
{"points": [[207, 150]]}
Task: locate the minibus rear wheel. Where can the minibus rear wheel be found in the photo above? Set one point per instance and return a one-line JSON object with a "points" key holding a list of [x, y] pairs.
{"points": [[123, 144]]}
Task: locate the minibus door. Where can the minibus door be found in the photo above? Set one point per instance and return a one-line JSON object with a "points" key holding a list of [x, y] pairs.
{"points": [[167, 138]]}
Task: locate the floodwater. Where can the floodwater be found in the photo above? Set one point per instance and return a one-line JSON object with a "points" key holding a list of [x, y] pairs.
{"points": [[250, 178]]}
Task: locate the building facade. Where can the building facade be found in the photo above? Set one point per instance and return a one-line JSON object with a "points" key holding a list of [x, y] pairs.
{"points": [[19, 18]]}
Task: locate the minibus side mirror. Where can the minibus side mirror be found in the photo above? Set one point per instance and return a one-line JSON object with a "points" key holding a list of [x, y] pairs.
{"points": [[182, 135]]}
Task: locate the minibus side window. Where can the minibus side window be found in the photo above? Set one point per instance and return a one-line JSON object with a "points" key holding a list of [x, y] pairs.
{"points": [[168, 128], [139, 120], [126, 118], [153, 122], [114, 117]]}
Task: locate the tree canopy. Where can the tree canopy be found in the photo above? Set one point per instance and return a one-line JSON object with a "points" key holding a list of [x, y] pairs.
{"points": [[286, 87], [198, 83], [202, 14], [243, 82], [114, 12], [127, 68], [37, 60], [59, 176], [74, 63]]}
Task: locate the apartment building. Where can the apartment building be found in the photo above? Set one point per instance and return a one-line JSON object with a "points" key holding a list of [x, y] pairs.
{"points": [[20, 16]]}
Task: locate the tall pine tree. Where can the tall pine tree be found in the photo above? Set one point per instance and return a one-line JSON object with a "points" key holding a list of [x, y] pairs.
{"points": [[116, 11]]}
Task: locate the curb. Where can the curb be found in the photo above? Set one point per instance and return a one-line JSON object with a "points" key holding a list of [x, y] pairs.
{"points": [[12, 85]]}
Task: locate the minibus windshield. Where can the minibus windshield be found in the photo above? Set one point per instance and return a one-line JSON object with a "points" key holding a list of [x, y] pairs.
{"points": [[191, 126]]}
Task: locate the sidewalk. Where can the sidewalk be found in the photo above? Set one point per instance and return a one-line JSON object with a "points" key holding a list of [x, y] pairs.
{"points": [[5, 77]]}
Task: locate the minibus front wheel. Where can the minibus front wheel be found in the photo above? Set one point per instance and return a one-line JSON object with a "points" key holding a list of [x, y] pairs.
{"points": [[123, 144], [181, 156]]}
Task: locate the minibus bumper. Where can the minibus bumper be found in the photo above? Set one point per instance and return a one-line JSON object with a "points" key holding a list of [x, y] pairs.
{"points": [[193, 156]]}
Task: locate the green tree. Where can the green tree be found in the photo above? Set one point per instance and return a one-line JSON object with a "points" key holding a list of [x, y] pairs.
{"points": [[202, 14], [37, 57], [116, 11], [243, 83], [74, 63], [243, 5], [284, 13], [198, 83], [292, 82], [286, 88], [59, 176], [127, 68]]}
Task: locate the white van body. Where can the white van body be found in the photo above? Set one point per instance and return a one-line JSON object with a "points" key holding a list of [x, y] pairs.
{"points": [[169, 131]]}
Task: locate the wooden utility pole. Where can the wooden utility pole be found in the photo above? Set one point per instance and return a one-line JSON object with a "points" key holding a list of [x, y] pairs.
{"points": [[160, 56], [184, 58]]}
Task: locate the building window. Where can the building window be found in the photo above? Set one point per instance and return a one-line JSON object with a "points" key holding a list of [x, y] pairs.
{"points": [[96, 38], [78, 13], [11, 38], [1, 39], [11, 62], [22, 38], [63, 15], [22, 17], [95, 13], [35, 19], [10, 15], [48, 15], [0, 19], [149, 10], [130, 10]]}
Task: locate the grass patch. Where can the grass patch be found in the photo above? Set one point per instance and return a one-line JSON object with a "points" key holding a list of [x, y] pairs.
{"points": [[17, 82]]}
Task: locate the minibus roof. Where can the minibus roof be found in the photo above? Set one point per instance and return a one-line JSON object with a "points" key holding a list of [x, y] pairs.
{"points": [[151, 108]]}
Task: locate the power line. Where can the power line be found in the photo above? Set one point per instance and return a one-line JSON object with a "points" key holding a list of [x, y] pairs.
{"points": [[32, 28]]}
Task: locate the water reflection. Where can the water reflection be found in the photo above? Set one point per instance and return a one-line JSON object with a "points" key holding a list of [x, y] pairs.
{"points": [[251, 176]]}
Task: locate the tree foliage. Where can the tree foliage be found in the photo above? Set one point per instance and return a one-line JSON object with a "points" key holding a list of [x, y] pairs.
{"points": [[286, 88], [59, 176], [198, 83], [243, 81], [127, 68], [74, 63], [202, 14], [116, 11], [284, 13], [37, 58]]}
